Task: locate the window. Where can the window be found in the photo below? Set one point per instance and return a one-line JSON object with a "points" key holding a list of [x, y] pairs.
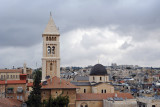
{"points": [[67, 92], [16, 76], [49, 38], [46, 38], [50, 66], [11, 76], [84, 90], [1, 76], [100, 78], [49, 50], [7, 76], [93, 78], [44, 93], [104, 91], [53, 50], [21, 97], [4, 77], [101, 91]]}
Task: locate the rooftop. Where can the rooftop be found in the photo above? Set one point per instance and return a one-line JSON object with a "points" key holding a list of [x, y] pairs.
{"points": [[99, 96], [56, 82], [10, 70], [6, 102], [13, 82]]}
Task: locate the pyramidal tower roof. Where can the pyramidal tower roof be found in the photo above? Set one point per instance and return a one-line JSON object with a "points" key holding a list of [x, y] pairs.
{"points": [[51, 27]]}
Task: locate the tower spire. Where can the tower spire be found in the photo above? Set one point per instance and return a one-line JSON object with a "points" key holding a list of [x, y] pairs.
{"points": [[50, 14], [51, 27]]}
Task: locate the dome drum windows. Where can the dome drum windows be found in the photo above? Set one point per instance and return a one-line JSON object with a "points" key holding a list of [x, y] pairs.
{"points": [[103, 91]]}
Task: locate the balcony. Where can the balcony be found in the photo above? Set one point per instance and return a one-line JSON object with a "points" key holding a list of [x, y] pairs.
{"points": [[19, 90]]}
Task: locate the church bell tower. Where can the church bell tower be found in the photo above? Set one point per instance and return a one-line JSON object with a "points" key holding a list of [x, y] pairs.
{"points": [[51, 51]]}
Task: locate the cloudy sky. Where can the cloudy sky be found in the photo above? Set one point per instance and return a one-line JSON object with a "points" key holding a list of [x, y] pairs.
{"points": [[111, 31]]}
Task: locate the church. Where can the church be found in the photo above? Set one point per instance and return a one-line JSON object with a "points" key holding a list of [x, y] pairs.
{"points": [[93, 93]]}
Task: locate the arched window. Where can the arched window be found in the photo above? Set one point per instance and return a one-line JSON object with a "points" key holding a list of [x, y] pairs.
{"points": [[93, 78], [1, 76], [52, 39], [102, 91], [11, 76], [49, 50], [100, 78], [4, 77], [50, 66], [53, 50], [46, 38], [49, 38], [84, 90], [84, 104]]}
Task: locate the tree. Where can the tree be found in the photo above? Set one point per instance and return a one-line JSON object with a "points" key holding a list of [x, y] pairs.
{"points": [[59, 101], [34, 99]]}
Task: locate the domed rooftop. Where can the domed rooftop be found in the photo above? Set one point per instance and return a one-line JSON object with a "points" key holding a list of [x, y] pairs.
{"points": [[98, 69]]}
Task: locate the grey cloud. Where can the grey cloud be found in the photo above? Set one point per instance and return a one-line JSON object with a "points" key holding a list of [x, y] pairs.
{"points": [[125, 45]]}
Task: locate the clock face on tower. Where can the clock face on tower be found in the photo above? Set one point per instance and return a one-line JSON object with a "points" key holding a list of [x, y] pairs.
{"points": [[51, 51]]}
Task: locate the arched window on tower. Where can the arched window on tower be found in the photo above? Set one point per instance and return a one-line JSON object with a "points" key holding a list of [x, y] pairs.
{"points": [[46, 38], [50, 66], [49, 38], [53, 50], [49, 50]]}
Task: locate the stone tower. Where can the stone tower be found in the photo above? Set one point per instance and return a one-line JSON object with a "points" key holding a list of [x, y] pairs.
{"points": [[51, 50]]}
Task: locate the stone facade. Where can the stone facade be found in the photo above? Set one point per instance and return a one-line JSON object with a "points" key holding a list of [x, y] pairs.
{"points": [[46, 94], [10, 74], [89, 103], [51, 54]]}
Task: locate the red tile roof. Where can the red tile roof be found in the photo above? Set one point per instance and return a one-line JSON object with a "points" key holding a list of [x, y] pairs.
{"points": [[13, 82], [99, 96], [16, 81], [11, 70], [29, 84], [2, 82], [23, 74], [6, 102], [56, 82]]}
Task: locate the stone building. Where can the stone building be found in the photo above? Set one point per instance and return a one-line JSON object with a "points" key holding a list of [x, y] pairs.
{"points": [[14, 89], [81, 93], [98, 81], [98, 99], [55, 86], [51, 55], [10, 74]]}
